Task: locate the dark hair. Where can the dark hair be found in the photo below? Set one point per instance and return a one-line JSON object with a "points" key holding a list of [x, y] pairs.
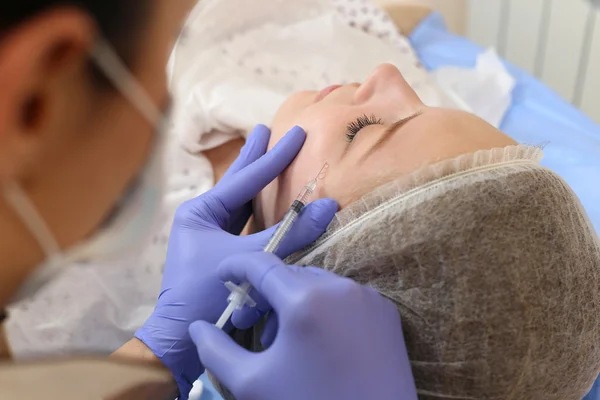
{"points": [[120, 21]]}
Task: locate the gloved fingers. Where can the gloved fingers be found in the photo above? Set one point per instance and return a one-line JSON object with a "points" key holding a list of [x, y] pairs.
{"points": [[247, 317], [255, 147], [320, 272], [239, 188], [270, 332], [219, 353], [312, 270], [295, 268], [267, 274], [310, 225], [387, 307]]}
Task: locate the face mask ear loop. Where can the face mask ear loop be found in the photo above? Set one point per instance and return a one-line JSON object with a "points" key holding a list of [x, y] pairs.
{"points": [[119, 75], [31, 218]]}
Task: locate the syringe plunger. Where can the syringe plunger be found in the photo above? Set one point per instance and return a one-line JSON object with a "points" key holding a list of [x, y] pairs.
{"points": [[237, 299]]}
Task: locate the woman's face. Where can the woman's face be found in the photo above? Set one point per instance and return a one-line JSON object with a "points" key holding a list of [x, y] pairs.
{"points": [[369, 134]]}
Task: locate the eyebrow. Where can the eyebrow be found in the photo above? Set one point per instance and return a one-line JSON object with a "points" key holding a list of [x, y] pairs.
{"points": [[390, 131]]}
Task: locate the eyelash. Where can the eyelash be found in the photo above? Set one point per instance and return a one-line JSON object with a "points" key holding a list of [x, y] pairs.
{"points": [[360, 123]]}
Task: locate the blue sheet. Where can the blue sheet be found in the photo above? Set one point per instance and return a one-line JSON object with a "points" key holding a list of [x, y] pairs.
{"points": [[538, 115]]}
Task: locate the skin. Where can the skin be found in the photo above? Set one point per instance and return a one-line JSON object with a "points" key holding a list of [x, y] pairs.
{"points": [[379, 153], [73, 146]]}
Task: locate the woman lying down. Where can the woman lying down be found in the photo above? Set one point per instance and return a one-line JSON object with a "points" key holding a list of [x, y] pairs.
{"points": [[490, 258]]}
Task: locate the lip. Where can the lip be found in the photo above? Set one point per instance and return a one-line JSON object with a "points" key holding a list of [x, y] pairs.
{"points": [[325, 92]]}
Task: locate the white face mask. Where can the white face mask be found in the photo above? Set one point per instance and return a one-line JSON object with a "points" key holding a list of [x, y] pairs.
{"points": [[134, 216]]}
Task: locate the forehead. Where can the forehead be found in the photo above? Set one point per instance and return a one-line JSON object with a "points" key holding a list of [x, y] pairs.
{"points": [[433, 137], [436, 135]]}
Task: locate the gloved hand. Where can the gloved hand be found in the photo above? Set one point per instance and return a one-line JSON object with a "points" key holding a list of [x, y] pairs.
{"points": [[204, 233], [336, 339]]}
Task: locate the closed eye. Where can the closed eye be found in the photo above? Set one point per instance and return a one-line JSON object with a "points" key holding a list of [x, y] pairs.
{"points": [[390, 131], [360, 123]]}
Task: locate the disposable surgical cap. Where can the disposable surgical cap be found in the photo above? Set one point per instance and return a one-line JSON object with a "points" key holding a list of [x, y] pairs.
{"points": [[494, 267]]}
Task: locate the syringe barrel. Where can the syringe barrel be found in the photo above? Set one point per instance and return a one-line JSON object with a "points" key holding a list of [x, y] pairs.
{"points": [[306, 192], [284, 227]]}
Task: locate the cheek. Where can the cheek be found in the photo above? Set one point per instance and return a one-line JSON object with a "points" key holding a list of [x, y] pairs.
{"points": [[276, 198], [343, 185], [325, 126], [325, 144], [272, 199], [288, 113]]}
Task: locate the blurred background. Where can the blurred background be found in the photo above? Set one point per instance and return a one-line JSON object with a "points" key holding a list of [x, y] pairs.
{"points": [[558, 41]]}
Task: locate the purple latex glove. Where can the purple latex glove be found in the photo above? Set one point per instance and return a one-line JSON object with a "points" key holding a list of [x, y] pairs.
{"points": [[204, 233], [336, 339]]}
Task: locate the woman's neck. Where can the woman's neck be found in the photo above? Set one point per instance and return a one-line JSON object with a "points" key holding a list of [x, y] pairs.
{"points": [[19, 254]]}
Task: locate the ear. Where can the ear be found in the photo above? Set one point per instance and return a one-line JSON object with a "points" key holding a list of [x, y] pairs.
{"points": [[33, 55]]}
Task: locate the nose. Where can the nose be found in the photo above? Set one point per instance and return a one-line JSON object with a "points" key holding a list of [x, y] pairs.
{"points": [[386, 81]]}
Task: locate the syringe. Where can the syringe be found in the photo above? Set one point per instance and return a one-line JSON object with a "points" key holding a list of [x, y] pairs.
{"points": [[240, 294]]}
